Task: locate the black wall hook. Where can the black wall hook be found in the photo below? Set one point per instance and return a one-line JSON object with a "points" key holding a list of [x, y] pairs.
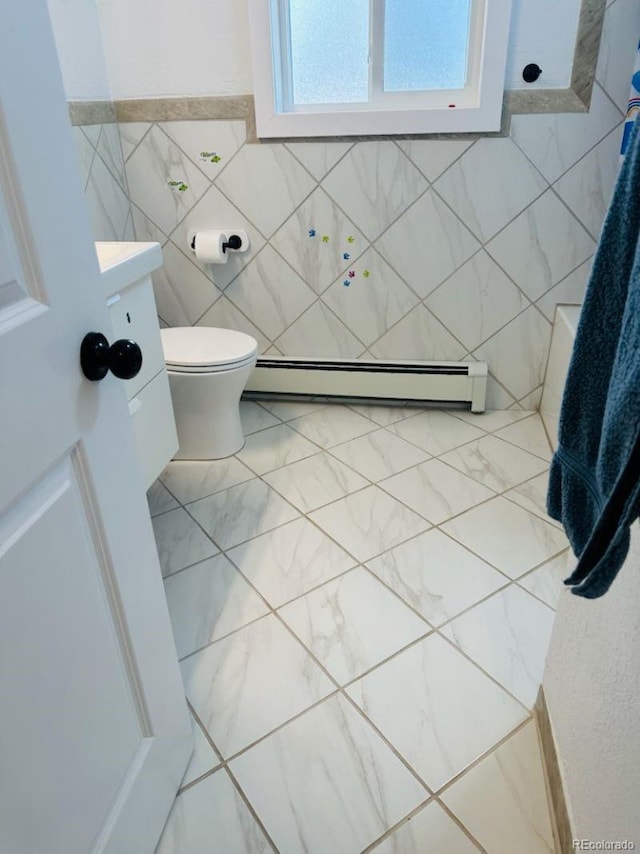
{"points": [[531, 72]]}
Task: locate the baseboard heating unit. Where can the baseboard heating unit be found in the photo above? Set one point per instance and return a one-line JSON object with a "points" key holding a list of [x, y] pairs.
{"points": [[420, 382]]}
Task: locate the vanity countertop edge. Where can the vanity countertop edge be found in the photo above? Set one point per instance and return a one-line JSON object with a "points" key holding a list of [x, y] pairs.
{"points": [[123, 263]]}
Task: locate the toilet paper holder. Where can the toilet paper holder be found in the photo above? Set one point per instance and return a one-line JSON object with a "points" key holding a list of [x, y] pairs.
{"points": [[238, 240]]}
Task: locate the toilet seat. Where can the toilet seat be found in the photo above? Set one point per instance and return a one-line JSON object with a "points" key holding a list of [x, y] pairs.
{"points": [[206, 349]]}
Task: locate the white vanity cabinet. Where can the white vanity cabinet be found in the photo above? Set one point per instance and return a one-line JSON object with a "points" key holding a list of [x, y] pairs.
{"points": [[126, 276]]}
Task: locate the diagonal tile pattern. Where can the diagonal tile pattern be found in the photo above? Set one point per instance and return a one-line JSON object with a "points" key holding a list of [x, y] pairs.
{"points": [[270, 293], [541, 246], [436, 491], [327, 763], [207, 601], [494, 463], [436, 708], [436, 576], [370, 305], [431, 829], [508, 636], [315, 481], [267, 181], [427, 244], [327, 773], [101, 165], [368, 522], [374, 204], [490, 185], [531, 540], [432, 213], [180, 541], [273, 562], [213, 816], [241, 512], [379, 454], [352, 624], [502, 801], [251, 682], [431, 209], [318, 157], [332, 699], [491, 298], [163, 181], [318, 262]]}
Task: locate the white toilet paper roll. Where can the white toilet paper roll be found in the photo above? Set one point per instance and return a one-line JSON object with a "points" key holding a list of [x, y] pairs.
{"points": [[209, 249]]}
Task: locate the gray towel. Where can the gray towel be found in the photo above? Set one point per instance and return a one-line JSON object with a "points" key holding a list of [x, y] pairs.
{"points": [[594, 486]]}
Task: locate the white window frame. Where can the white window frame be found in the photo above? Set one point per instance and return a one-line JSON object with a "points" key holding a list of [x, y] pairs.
{"points": [[478, 107]]}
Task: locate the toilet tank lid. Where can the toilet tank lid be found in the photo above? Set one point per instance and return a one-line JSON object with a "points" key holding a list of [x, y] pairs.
{"points": [[200, 346]]}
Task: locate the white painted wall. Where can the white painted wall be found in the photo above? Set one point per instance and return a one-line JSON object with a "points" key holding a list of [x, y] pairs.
{"points": [[164, 48], [592, 687], [542, 31], [201, 47], [79, 42]]}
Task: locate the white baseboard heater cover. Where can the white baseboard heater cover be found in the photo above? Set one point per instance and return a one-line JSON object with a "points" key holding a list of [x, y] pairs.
{"points": [[428, 382]]}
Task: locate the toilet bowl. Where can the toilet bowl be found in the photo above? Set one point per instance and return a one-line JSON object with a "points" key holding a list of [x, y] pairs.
{"points": [[208, 369]]}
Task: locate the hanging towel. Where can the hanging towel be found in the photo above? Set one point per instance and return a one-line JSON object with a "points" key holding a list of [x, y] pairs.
{"points": [[594, 485]]}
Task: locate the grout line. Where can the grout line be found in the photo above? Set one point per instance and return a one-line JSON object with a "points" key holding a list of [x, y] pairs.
{"points": [[190, 566], [334, 693], [94, 154], [391, 830], [139, 142], [229, 634], [429, 633], [162, 126], [516, 445], [384, 738], [224, 765], [317, 180], [370, 849], [459, 823], [597, 83], [325, 582], [165, 239], [485, 755], [198, 720], [251, 808], [228, 293], [348, 354], [479, 667], [453, 162], [199, 779], [122, 180], [601, 86], [572, 213], [478, 416]]}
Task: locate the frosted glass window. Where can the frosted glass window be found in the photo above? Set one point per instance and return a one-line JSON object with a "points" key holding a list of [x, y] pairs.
{"points": [[329, 51], [426, 44]]}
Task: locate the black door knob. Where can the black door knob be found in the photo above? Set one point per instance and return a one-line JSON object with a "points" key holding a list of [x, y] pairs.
{"points": [[123, 358]]}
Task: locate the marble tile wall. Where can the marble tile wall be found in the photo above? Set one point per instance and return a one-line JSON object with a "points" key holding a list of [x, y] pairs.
{"points": [[421, 249], [105, 184]]}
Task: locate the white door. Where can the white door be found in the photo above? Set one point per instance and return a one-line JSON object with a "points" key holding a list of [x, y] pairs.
{"points": [[94, 731]]}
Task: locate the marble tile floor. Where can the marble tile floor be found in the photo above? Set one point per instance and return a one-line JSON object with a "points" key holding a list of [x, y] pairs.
{"points": [[362, 601]]}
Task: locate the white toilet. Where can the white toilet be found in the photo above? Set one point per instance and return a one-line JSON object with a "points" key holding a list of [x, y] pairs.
{"points": [[208, 369]]}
